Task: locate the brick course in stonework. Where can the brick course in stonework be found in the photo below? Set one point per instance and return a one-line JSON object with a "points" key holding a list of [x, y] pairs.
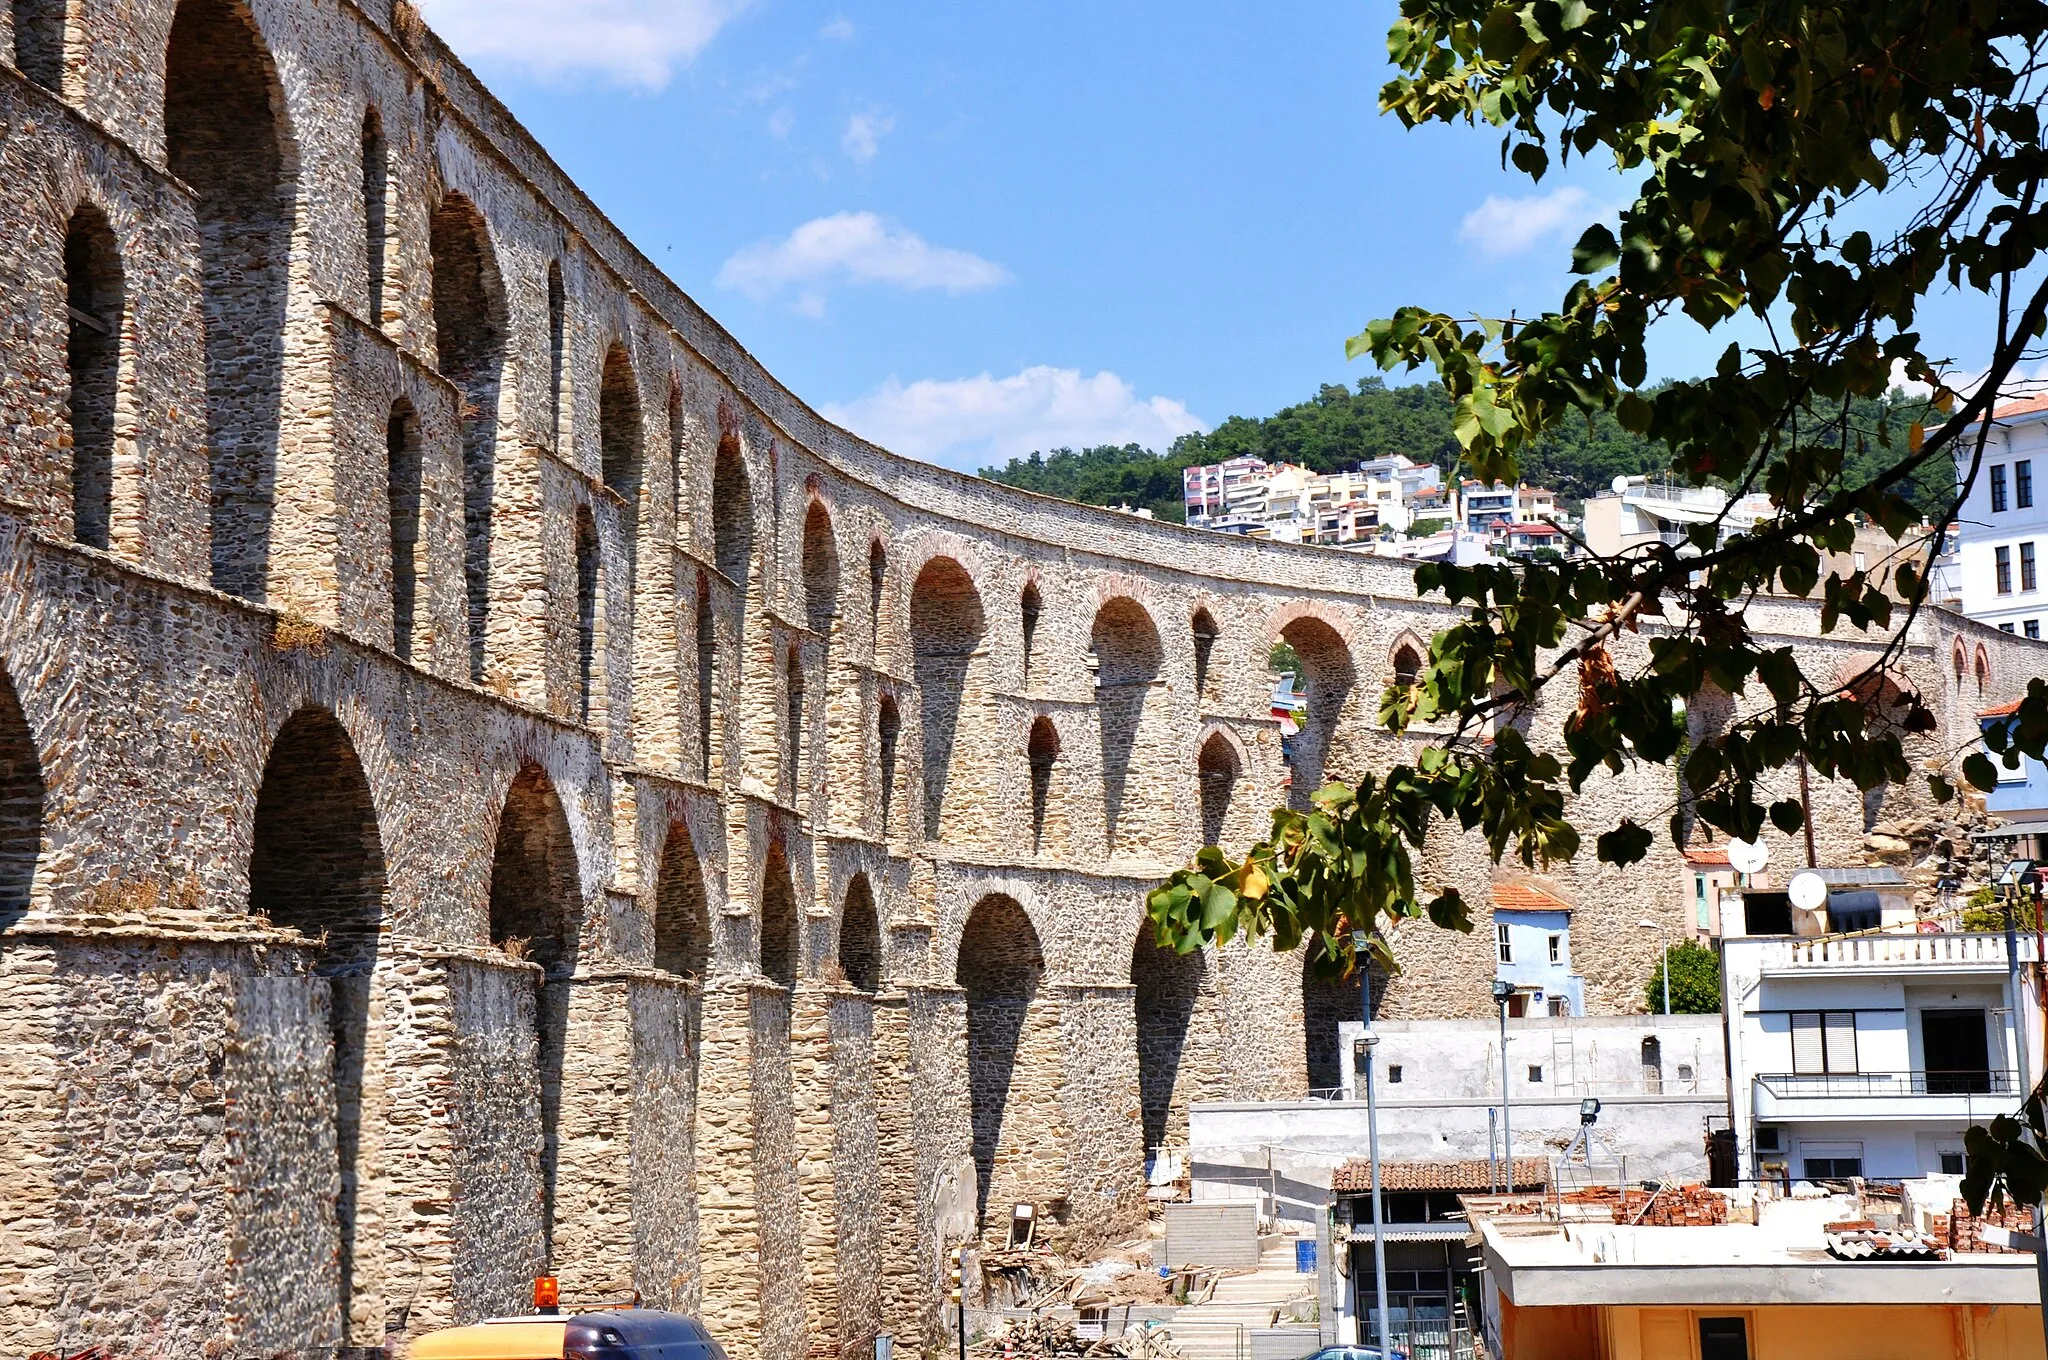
{"points": [[491, 782]]}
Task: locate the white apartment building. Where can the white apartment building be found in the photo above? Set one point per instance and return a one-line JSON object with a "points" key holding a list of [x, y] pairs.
{"points": [[1291, 503], [1869, 1055], [2002, 539]]}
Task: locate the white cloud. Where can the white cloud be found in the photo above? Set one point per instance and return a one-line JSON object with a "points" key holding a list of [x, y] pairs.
{"points": [[854, 247], [981, 421], [1501, 227], [780, 123], [634, 42], [864, 133], [839, 30]]}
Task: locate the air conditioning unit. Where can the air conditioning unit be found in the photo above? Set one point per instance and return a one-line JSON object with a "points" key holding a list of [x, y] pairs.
{"points": [[1770, 1140]]}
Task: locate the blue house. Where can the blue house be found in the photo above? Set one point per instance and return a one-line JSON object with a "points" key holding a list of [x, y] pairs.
{"points": [[2021, 799], [1532, 940]]}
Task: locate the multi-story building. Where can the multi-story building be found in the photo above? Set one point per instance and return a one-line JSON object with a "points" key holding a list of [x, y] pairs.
{"points": [[1294, 504], [1868, 1055], [1206, 490], [2003, 524]]}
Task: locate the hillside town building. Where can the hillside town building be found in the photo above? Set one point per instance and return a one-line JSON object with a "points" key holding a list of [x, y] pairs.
{"points": [[492, 783]]}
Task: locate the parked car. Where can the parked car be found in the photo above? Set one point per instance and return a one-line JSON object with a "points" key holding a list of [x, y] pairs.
{"points": [[607, 1334]]}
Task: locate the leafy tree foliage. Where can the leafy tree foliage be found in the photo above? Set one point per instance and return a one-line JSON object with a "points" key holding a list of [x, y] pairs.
{"points": [[1760, 140], [1695, 980]]}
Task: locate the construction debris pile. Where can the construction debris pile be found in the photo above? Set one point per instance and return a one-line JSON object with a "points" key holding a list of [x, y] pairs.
{"points": [[1963, 1231], [1668, 1206], [1036, 1336], [1124, 1276]]}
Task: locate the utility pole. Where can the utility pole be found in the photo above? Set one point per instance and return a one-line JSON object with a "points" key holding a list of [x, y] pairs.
{"points": [[1368, 1041], [1502, 990], [2019, 1031]]}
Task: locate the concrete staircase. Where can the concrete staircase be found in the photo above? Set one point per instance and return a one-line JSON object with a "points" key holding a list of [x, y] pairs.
{"points": [[1219, 1329]]}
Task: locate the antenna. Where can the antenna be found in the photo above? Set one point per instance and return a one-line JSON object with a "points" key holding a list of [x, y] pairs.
{"points": [[1808, 890], [1748, 857]]}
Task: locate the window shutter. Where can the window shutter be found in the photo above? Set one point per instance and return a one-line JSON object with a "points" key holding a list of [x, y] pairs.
{"points": [[1807, 1053], [1841, 1041]]}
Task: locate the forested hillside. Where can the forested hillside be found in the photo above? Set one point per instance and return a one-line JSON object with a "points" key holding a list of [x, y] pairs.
{"points": [[1341, 426]]}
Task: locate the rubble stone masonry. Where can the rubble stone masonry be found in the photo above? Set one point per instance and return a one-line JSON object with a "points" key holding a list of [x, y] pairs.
{"points": [[492, 783]]}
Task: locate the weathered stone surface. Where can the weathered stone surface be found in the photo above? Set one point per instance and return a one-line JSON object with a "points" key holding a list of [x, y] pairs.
{"points": [[490, 782]]}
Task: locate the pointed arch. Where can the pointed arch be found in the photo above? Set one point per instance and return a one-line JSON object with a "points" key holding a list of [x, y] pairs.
{"points": [[1326, 1001], [707, 674], [682, 920], [888, 730], [403, 471], [1983, 669], [226, 139], [316, 865], [878, 578], [96, 295], [1326, 682], [1042, 751], [469, 330], [590, 658], [946, 627], [558, 353], [1128, 656], [1216, 769], [1960, 659], [622, 443], [1012, 1048], [1203, 632], [860, 937], [793, 726], [1167, 988], [1029, 606], [376, 211], [21, 806], [1405, 659], [732, 511], [536, 912], [677, 474], [778, 919], [820, 569]]}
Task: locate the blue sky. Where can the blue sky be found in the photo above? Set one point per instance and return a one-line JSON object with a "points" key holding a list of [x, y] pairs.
{"points": [[968, 231]]}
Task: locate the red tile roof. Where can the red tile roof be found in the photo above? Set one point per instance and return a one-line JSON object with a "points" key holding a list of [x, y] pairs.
{"points": [[1709, 857], [2025, 406], [1526, 897], [1355, 1176], [2004, 710]]}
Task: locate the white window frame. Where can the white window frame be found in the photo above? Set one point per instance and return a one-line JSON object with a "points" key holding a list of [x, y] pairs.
{"points": [[1505, 944], [1557, 948]]}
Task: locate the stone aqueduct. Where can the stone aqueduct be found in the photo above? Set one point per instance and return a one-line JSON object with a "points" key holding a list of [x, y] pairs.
{"points": [[489, 781]]}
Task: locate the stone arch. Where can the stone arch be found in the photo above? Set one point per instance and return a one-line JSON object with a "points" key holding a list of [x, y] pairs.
{"points": [[779, 959], [1042, 752], [226, 138], [41, 31], [878, 580], [682, 918], [316, 865], [821, 569], [707, 673], [678, 427], [1327, 679], [558, 351], [946, 629], [621, 440], [96, 294], [1983, 669], [1013, 1055], [1126, 657], [732, 511], [21, 806], [590, 650], [1029, 605], [1217, 767], [403, 471], [469, 332], [1168, 988], [536, 913], [1959, 656], [1405, 659], [888, 728], [376, 212], [860, 937], [1203, 632], [793, 724]]}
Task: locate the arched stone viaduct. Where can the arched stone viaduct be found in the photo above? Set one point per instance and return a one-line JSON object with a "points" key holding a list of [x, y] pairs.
{"points": [[491, 782]]}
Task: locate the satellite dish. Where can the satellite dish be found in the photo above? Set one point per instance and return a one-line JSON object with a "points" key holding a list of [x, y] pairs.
{"points": [[1748, 857], [1808, 890], [1620, 484]]}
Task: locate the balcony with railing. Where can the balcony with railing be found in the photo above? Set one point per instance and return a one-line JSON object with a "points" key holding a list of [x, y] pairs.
{"points": [[1967, 1094], [1930, 954]]}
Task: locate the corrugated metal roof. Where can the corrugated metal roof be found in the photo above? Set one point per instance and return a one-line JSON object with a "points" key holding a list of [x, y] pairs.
{"points": [[1876, 877]]}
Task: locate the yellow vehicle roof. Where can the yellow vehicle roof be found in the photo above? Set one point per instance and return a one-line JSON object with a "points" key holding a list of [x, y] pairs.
{"points": [[495, 1341]]}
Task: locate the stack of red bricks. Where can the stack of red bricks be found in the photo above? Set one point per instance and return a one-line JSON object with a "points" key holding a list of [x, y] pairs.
{"points": [[1687, 1206], [1965, 1229]]}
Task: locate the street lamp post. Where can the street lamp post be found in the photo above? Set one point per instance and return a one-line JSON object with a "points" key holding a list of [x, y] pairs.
{"points": [[1368, 1041], [1502, 990], [1664, 949]]}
